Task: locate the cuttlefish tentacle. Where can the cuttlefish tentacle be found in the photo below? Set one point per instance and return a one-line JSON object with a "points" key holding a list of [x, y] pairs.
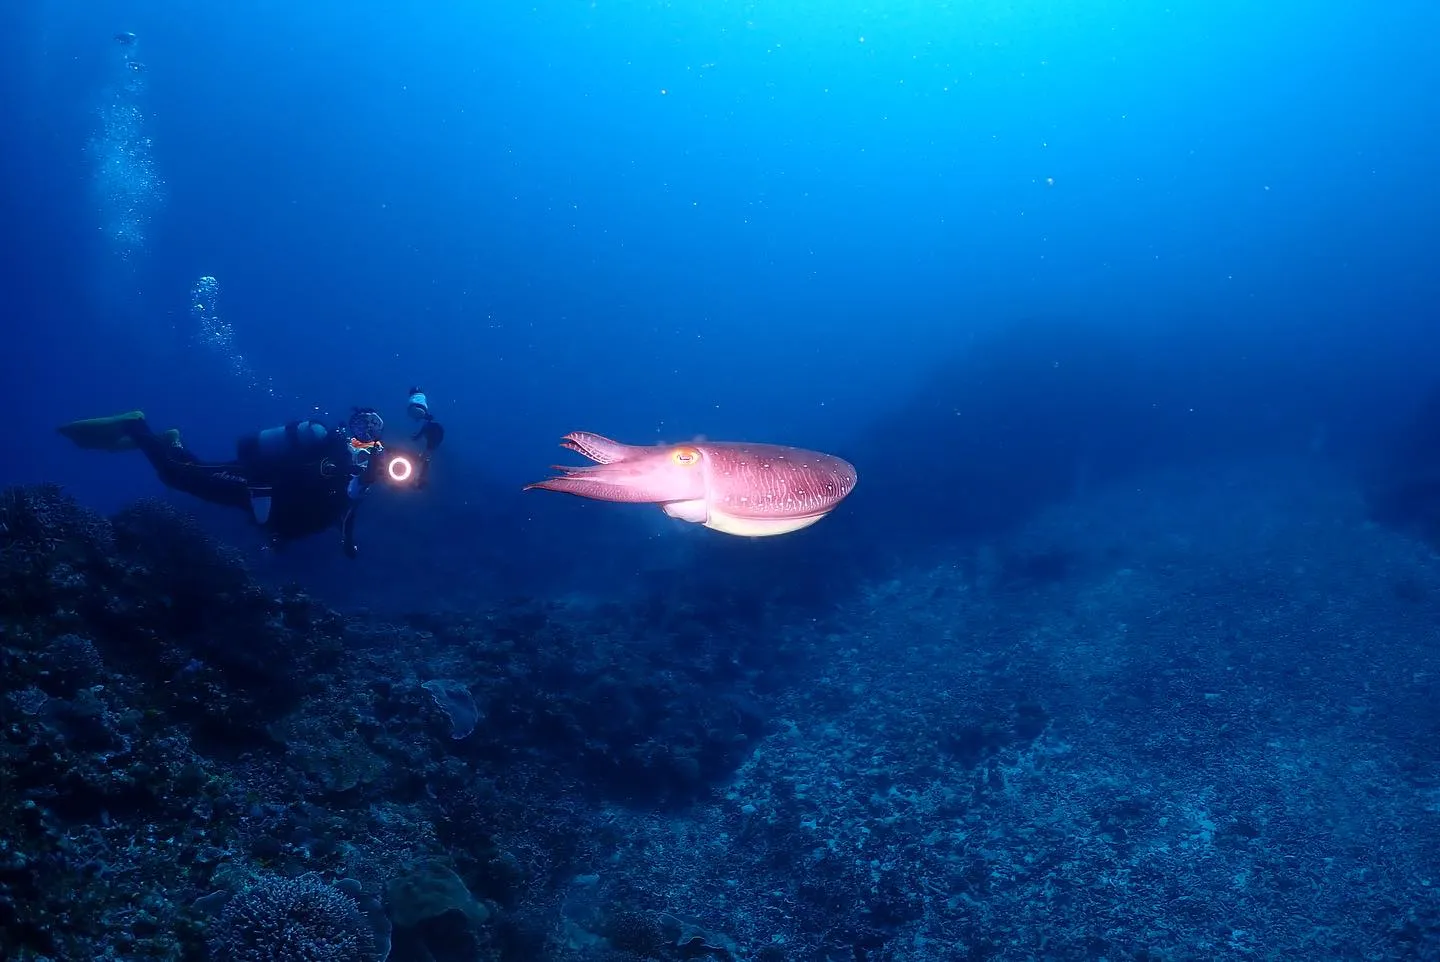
{"points": [[597, 449]]}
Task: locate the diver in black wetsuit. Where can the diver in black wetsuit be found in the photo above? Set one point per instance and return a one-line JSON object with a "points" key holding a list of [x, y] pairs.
{"points": [[432, 432], [294, 481]]}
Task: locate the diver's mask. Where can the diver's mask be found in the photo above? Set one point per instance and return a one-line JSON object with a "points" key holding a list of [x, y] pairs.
{"points": [[365, 425]]}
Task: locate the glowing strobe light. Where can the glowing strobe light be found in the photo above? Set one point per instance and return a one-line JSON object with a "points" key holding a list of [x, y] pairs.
{"points": [[400, 469]]}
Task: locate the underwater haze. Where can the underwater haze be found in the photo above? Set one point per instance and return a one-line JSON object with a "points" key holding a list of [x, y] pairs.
{"points": [[1124, 314], [767, 222]]}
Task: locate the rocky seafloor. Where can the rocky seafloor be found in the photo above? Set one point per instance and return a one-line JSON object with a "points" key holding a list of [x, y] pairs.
{"points": [[1189, 717]]}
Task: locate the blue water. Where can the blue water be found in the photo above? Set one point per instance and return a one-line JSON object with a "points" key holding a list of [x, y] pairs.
{"points": [[1085, 281], [768, 222]]}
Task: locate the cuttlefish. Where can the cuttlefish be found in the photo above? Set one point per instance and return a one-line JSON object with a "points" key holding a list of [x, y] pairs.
{"points": [[753, 490]]}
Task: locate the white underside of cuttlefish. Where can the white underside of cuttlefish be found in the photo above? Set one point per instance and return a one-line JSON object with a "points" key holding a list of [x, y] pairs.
{"points": [[752, 490]]}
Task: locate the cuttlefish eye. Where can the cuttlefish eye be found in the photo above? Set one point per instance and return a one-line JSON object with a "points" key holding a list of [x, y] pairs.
{"points": [[685, 456]]}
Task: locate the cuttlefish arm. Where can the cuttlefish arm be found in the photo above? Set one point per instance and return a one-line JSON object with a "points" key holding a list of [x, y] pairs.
{"points": [[739, 488]]}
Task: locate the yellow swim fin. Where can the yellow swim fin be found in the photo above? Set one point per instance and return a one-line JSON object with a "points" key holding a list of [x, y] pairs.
{"points": [[103, 434]]}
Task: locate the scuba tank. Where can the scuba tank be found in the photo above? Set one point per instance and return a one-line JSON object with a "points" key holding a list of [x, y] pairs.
{"points": [[288, 442], [417, 405]]}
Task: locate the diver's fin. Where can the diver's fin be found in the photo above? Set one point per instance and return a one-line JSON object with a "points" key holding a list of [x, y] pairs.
{"points": [[103, 434]]}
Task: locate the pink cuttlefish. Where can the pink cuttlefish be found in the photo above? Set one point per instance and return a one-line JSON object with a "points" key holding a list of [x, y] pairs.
{"points": [[745, 489]]}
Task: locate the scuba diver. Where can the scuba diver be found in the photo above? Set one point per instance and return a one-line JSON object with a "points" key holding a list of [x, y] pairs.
{"points": [[294, 481], [431, 432]]}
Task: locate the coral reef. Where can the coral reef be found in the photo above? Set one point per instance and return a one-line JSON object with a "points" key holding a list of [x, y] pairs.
{"points": [[1205, 732], [177, 730], [301, 918]]}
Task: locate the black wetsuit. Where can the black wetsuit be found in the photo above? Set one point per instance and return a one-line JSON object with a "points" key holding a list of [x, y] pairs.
{"points": [[291, 497]]}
